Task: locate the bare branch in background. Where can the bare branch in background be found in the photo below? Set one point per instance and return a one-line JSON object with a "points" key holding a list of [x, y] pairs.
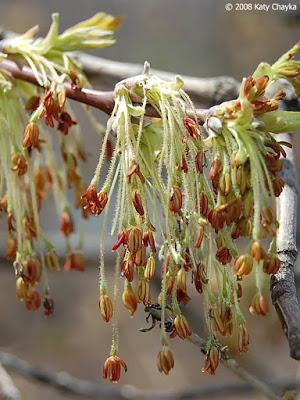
{"points": [[205, 91], [68, 384], [8, 390]]}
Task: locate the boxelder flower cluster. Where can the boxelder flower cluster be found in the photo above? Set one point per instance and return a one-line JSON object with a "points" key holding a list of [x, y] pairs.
{"points": [[183, 193], [30, 167]]}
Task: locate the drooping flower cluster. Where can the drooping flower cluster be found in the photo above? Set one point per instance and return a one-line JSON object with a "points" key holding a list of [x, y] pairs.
{"points": [[184, 191], [185, 194], [35, 161]]}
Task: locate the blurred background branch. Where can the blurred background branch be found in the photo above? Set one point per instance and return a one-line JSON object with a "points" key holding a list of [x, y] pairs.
{"points": [[71, 385], [8, 390]]}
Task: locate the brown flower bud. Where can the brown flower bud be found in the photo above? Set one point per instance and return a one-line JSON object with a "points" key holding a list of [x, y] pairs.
{"points": [[11, 248], [223, 255], [261, 84], [225, 184], [143, 291], [241, 178], [66, 223], [182, 327], [3, 204], [93, 202], [140, 257], [257, 251], [175, 202], [122, 239], [203, 204], [135, 239], [112, 368], [199, 162], [137, 202], [32, 103], [181, 279], [29, 227], [105, 306], [222, 315], [192, 127], [212, 360], [170, 283], [129, 299], [51, 260], [184, 165], [150, 268], [33, 300], [21, 288], [278, 185], [200, 277], [19, 164], [165, 360], [31, 270], [200, 237], [148, 239], [259, 305], [243, 265], [248, 85], [127, 267], [215, 170], [31, 135], [271, 264], [75, 261], [135, 170], [243, 339]]}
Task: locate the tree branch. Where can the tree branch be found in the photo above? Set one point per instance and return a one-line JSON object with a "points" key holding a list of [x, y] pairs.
{"points": [[68, 384], [8, 391], [205, 91], [102, 100], [241, 372], [283, 289]]}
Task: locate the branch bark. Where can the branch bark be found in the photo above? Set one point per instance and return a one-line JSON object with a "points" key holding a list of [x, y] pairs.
{"points": [[102, 100], [283, 289], [205, 91]]}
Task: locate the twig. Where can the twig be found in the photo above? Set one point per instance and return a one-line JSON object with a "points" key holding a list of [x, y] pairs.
{"points": [[283, 290], [8, 390], [241, 372], [102, 100], [205, 91], [67, 383]]}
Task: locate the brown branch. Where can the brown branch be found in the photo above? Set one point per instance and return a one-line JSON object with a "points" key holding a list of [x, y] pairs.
{"points": [[102, 100], [69, 384]]}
